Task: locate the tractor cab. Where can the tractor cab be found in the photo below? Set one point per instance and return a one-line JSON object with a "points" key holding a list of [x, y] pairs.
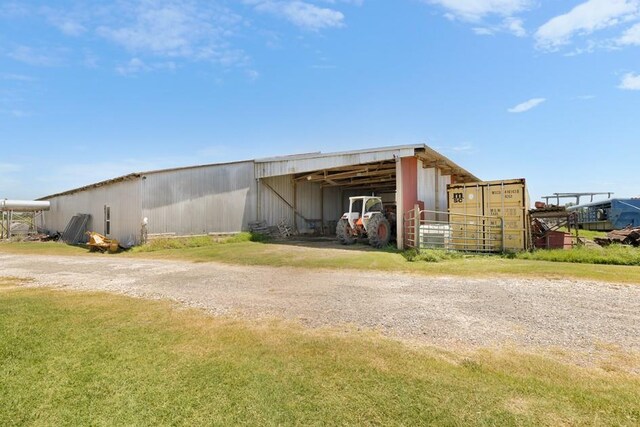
{"points": [[361, 209], [366, 218]]}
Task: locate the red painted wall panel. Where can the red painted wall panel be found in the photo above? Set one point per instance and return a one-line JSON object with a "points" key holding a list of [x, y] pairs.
{"points": [[409, 183]]}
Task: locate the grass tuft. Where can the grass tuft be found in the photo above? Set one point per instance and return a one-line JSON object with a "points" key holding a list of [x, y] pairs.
{"points": [[197, 242], [247, 237], [613, 255], [175, 243], [431, 255]]}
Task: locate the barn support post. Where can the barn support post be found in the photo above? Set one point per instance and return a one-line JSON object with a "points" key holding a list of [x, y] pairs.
{"points": [[436, 173], [416, 226], [258, 199], [322, 210], [399, 206], [295, 206]]}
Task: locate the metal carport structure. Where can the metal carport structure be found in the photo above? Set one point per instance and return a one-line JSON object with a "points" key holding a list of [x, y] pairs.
{"points": [[315, 186]]}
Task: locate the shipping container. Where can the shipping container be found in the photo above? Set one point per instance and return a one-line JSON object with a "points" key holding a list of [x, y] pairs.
{"points": [[508, 200]]}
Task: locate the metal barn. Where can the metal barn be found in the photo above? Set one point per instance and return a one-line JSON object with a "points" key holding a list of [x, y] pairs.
{"points": [[309, 192]]}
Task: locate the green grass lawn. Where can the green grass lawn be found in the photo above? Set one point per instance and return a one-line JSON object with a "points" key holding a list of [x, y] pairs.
{"points": [[587, 234], [240, 250], [96, 359], [42, 248]]}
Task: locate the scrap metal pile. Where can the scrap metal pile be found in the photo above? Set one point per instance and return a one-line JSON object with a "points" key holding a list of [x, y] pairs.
{"points": [[282, 230], [547, 225], [626, 236]]}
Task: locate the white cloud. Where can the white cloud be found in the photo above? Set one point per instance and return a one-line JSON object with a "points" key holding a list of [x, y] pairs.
{"points": [[527, 105], [515, 26], [252, 75], [67, 24], [302, 14], [484, 31], [16, 77], [136, 65], [13, 9], [509, 24], [353, 2], [38, 57], [475, 10], [584, 19], [630, 81], [176, 28], [631, 36], [70, 27]]}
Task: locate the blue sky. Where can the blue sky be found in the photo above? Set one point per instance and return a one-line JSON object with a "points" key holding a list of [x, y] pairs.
{"points": [[547, 90]]}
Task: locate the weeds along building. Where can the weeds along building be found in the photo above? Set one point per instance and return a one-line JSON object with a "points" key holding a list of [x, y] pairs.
{"points": [[309, 192]]}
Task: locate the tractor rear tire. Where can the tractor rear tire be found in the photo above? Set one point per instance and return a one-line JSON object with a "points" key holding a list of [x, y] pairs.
{"points": [[343, 232], [379, 231]]}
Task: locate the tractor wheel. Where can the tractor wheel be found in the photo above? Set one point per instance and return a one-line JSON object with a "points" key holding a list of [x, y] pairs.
{"points": [[379, 231], [343, 232]]}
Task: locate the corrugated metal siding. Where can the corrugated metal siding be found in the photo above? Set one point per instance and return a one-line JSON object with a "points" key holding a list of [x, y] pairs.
{"points": [[432, 190], [443, 196], [309, 204], [215, 199], [123, 198], [272, 208], [507, 199], [292, 166], [333, 204], [427, 187]]}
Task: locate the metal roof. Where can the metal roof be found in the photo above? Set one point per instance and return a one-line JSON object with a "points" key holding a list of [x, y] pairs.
{"points": [[307, 162], [319, 154], [286, 165], [136, 175]]}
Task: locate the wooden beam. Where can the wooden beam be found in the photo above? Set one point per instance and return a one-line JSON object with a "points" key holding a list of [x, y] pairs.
{"points": [[346, 174], [351, 182], [370, 187], [370, 166]]}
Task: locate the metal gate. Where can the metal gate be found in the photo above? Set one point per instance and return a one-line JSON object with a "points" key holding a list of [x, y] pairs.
{"points": [[425, 229]]}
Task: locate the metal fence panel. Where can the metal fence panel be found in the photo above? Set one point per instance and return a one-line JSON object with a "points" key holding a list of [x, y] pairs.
{"points": [[459, 232]]}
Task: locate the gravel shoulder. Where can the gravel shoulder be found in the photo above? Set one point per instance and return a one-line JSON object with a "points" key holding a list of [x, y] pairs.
{"points": [[443, 311]]}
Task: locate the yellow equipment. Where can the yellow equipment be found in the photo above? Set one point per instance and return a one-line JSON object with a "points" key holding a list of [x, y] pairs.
{"points": [[98, 242]]}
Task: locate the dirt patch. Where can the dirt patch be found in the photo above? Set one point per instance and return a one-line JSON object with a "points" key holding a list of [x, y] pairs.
{"points": [[469, 312]]}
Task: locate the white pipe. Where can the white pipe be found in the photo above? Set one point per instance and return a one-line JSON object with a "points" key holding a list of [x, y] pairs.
{"points": [[24, 205]]}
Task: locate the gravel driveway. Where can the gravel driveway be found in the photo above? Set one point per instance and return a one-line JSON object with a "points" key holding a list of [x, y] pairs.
{"points": [[529, 313]]}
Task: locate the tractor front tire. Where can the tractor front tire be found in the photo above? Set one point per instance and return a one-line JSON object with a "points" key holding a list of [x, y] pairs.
{"points": [[379, 231], [343, 232]]}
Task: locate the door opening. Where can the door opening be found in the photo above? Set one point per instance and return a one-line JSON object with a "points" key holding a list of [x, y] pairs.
{"points": [[107, 220]]}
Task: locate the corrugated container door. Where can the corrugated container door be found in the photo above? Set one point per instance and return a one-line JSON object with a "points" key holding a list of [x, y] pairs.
{"points": [[465, 199], [508, 199]]}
